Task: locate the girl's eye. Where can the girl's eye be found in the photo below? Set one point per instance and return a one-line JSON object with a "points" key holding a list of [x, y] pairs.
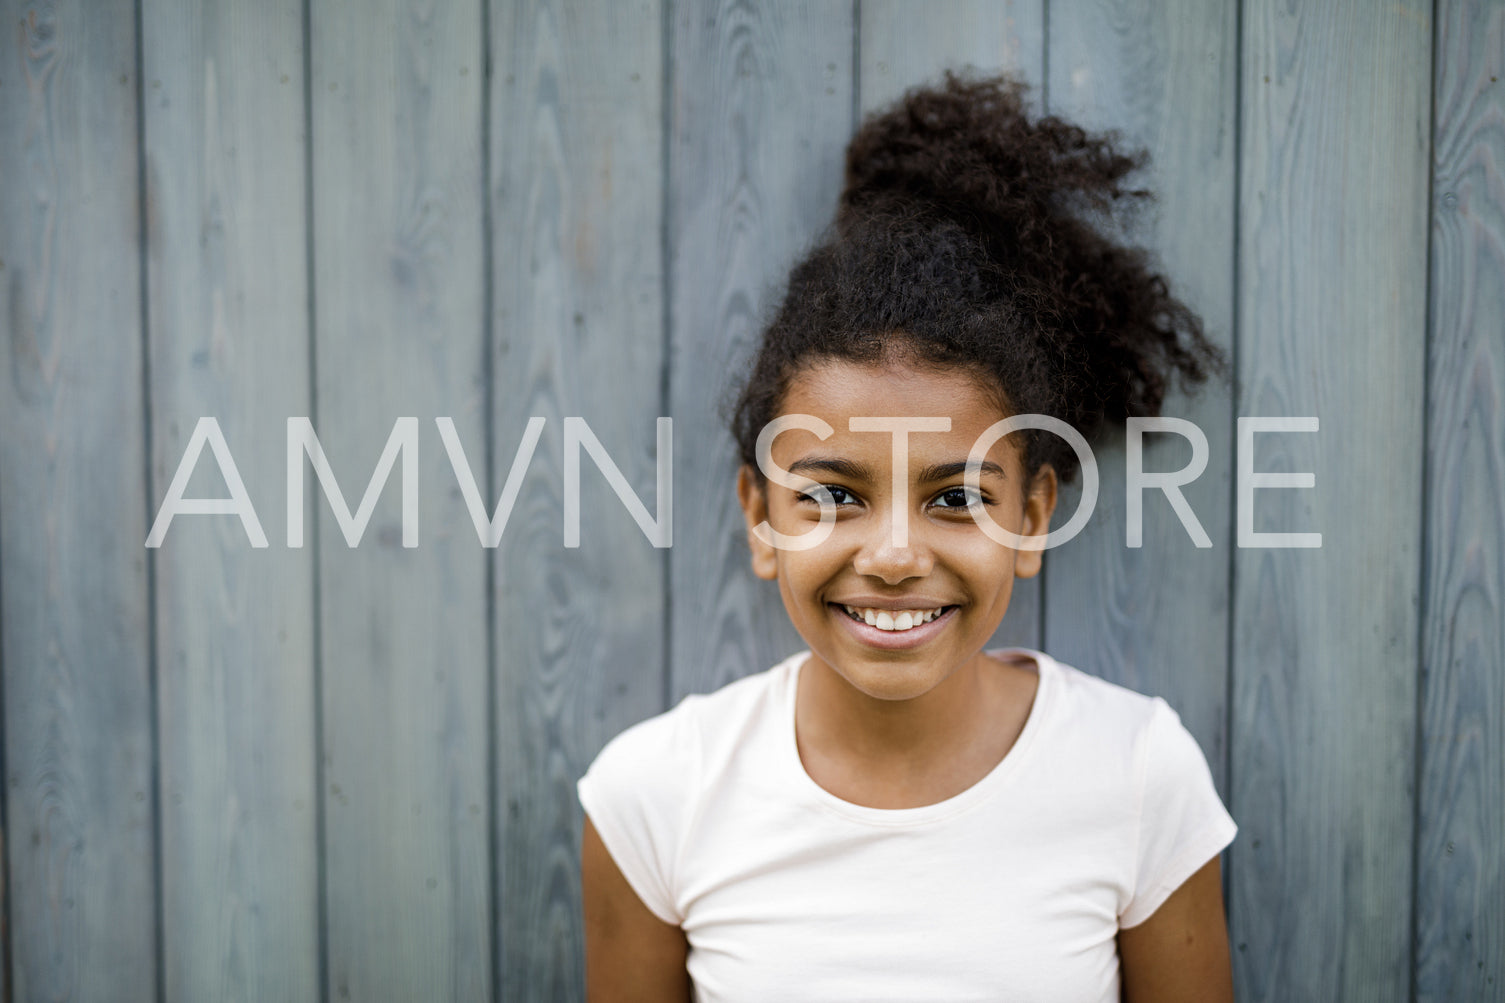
{"points": [[839, 496], [959, 498]]}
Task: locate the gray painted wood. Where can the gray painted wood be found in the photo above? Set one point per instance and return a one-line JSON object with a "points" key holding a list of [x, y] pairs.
{"points": [[1460, 877], [748, 111], [1155, 618], [227, 281], [1331, 313], [759, 91], [902, 44], [74, 615], [577, 186], [399, 278]]}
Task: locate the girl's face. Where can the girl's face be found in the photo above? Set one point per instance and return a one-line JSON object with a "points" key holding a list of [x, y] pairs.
{"points": [[947, 580]]}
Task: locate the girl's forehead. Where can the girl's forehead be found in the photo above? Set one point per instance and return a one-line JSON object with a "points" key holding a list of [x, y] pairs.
{"points": [[893, 388], [836, 392]]}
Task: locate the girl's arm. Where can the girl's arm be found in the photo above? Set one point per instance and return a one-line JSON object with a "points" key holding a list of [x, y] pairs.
{"points": [[630, 954], [1181, 952]]}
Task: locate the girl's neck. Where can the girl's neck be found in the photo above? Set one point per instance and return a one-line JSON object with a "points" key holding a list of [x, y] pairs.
{"points": [[906, 753]]}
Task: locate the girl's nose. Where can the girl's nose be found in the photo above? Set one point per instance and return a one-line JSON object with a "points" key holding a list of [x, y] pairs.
{"points": [[880, 558]]}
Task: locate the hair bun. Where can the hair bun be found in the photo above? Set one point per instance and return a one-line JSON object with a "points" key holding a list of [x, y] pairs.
{"points": [[969, 148], [973, 235]]}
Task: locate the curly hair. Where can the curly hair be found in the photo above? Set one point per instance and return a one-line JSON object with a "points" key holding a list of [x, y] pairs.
{"points": [[971, 235]]}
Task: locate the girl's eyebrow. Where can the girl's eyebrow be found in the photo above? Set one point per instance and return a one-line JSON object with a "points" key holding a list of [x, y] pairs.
{"points": [[831, 465], [945, 471], [860, 472]]}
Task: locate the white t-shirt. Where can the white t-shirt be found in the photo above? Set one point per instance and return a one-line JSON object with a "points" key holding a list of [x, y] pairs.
{"points": [[1014, 889]]}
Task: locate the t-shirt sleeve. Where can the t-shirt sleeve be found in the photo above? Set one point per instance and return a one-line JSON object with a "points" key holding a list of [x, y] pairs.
{"points": [[1182, 822], [636, 793]]}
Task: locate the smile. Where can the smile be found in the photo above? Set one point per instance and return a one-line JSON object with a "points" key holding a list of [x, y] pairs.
{"points": [[893, 619]]}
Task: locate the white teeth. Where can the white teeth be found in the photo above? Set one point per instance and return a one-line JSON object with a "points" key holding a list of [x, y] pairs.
{"points": [[885, 619]]}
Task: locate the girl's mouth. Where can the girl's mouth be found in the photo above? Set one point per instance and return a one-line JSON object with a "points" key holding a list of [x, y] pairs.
{"points": [[893, 628], [894, 619]]}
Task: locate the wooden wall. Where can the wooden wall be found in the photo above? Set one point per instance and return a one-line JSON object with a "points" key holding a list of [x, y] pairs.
{"points": [[325, 772]]}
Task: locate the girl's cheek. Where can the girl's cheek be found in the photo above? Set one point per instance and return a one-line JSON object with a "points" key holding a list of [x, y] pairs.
{"points": [[987, 554]]}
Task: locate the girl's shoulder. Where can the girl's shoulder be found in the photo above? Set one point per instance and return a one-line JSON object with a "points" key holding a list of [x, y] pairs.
{"points": [[645, 786], [684, 734], [1103, 728], [1077, 697]]}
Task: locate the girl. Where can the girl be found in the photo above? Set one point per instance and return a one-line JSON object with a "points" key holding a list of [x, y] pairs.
{"points": [[898, 814]]}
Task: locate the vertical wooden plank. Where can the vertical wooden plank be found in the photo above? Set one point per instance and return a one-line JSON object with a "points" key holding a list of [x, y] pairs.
{"points": [[1331, 310], [1155, 618], [760, 113], [1460, 881], [5, 952], [75, 620], [398, 279], [577, 183], [904, 44], [227, 282]]}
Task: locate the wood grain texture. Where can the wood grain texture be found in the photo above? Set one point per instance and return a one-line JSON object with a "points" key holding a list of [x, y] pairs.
{"points": [[228, 285], [747, 110], [1331, 318], [904, 44], [759, 117], [399, 275], [1460, 880], [1156, 618], [74, 621], [577, 209]]}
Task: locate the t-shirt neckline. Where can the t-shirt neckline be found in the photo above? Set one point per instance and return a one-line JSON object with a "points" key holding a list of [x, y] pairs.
{"points": [[994, 779]]}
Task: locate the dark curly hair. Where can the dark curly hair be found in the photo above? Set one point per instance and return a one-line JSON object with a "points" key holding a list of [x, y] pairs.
{"points": [[969, 234]]}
